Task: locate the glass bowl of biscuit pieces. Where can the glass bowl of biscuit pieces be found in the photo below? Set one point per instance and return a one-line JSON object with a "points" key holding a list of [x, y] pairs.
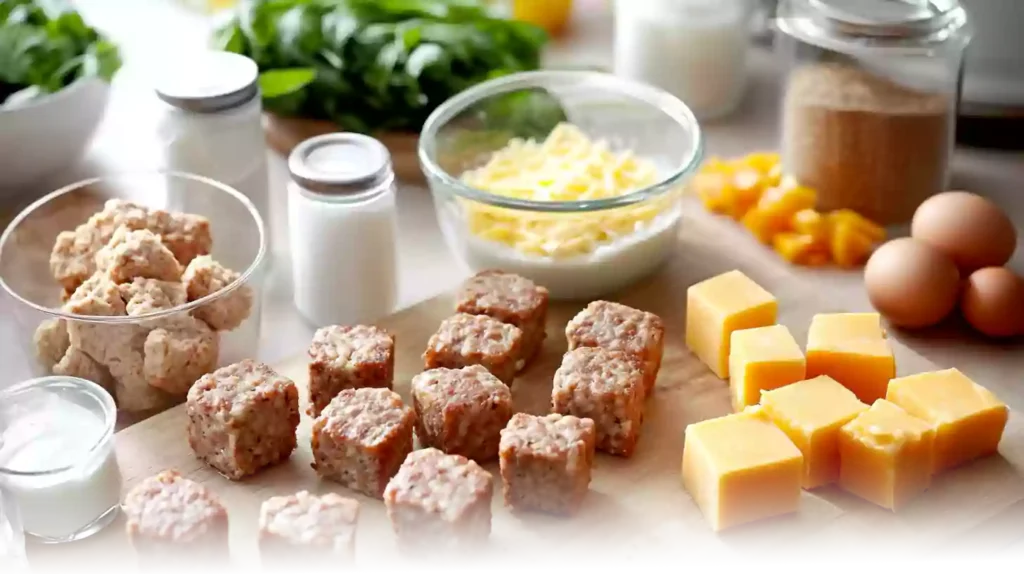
{"points": [[141, 283]]}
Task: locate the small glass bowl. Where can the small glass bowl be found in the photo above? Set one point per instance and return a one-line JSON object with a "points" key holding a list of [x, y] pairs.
{"points": [[652, 124], [70, 487], [239, 243]]}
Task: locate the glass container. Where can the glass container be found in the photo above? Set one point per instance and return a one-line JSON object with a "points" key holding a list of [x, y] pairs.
{"points": [[12, 535], [144, 341], [871, 91], [697, 50], [57, 459], [342, 194], [579, 248]]}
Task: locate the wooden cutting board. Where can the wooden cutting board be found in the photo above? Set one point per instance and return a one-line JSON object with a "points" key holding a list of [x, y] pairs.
{"points": [[636, 506], [283, 134]]}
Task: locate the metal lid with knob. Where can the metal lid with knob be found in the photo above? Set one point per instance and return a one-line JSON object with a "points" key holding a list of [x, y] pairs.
{"points": [[210, 82], [882, 23], [341, 165]]}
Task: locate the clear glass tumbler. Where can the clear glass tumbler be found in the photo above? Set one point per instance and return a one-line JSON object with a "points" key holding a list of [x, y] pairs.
{"points": [[57, 460], [12, 536]]}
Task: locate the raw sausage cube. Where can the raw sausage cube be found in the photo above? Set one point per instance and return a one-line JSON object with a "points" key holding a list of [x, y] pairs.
{"points": [[308, 528], [243, 418], [463, 340], [440, 501], [361, 439], [461, 411], [546, 462], [170, 516], [510, 299], [620, 328], [343, 357], [607, 387]]}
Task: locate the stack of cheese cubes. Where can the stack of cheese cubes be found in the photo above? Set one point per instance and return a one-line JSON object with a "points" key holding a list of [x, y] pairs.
{"points": [[835, 414]]}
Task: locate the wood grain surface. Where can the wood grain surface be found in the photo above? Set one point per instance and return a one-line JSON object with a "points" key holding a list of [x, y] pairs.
{"points": [[638, 506], [283, 134]]}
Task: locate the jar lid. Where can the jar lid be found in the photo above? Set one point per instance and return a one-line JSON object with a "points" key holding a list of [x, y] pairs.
{"points": [[340, 164], [873, 22], [210, 82]]}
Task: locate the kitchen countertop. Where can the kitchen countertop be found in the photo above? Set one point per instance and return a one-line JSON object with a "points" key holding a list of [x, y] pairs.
{"points": [[428, 268]]}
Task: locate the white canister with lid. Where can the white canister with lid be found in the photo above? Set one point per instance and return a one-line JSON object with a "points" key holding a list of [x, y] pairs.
{"points": [[210, 124], [343, 228], [694, 49]]}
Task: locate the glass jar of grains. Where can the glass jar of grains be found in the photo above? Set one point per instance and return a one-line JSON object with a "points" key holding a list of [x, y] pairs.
{"points": [[870, 99]]}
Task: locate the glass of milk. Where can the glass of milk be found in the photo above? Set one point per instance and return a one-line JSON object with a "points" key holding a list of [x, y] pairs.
{"points": [[57, 460]]}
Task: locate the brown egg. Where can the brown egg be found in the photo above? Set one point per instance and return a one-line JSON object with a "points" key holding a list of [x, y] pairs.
{"points": [[972, 230], [993, 302], [911, 283]]}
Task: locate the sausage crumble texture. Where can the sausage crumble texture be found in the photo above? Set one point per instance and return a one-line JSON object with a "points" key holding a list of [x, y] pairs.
{"points": [[361, 439], [172, 517], [440, 502], [348, 357], [463, 340], [510, 299], [129, 261], [308, 529], [242, 418]]}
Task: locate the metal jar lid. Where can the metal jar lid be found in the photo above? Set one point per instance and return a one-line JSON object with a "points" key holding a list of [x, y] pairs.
{"points": [[920, 21], [210, 82], [340, 164]]}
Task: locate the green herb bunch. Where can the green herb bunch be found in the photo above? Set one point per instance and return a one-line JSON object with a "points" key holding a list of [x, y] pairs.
{"points": [[45, 45], [372, 65]]}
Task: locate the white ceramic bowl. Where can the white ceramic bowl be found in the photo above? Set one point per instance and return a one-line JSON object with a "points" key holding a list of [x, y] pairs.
{"points": [[49, 135]]}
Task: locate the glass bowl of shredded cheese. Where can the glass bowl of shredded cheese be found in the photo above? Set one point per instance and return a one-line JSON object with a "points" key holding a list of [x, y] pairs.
{"points": [[571, 179]]}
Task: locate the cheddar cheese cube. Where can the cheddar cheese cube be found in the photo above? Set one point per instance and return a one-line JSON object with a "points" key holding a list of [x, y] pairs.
{"points": [[969, 420], [718, 306], [762, 359], [811, 413], [886, 455], [851, 348], [741, 468]]}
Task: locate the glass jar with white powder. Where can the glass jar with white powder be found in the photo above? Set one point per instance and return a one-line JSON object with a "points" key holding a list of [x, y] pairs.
{"points": [[343, 229], [210, 123], [694, 49]]}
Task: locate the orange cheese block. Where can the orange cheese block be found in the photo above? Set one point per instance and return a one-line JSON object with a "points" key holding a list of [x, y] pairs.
{"points": [[741, 468], [852, 349], [811, 413], [886, 455], [762, 359], [969, 420], [718, 306]]}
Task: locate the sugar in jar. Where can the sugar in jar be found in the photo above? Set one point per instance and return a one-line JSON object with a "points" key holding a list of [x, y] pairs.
{"points": [[871, 92]]}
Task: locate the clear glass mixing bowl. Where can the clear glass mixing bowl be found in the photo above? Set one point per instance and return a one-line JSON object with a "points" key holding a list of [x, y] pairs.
{"points": [[464, 132], [239, 243]]}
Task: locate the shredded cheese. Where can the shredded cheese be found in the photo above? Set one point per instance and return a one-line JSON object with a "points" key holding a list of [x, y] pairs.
{"points": [[567, 166]]}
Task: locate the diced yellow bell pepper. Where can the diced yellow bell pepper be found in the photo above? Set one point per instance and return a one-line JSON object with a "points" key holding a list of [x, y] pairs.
{"points": [[785, 201], [762, 226], [850, 247], [763, 162], [711, 187], [797, 248], [810, 222], [744, 192], [873, 231]]}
